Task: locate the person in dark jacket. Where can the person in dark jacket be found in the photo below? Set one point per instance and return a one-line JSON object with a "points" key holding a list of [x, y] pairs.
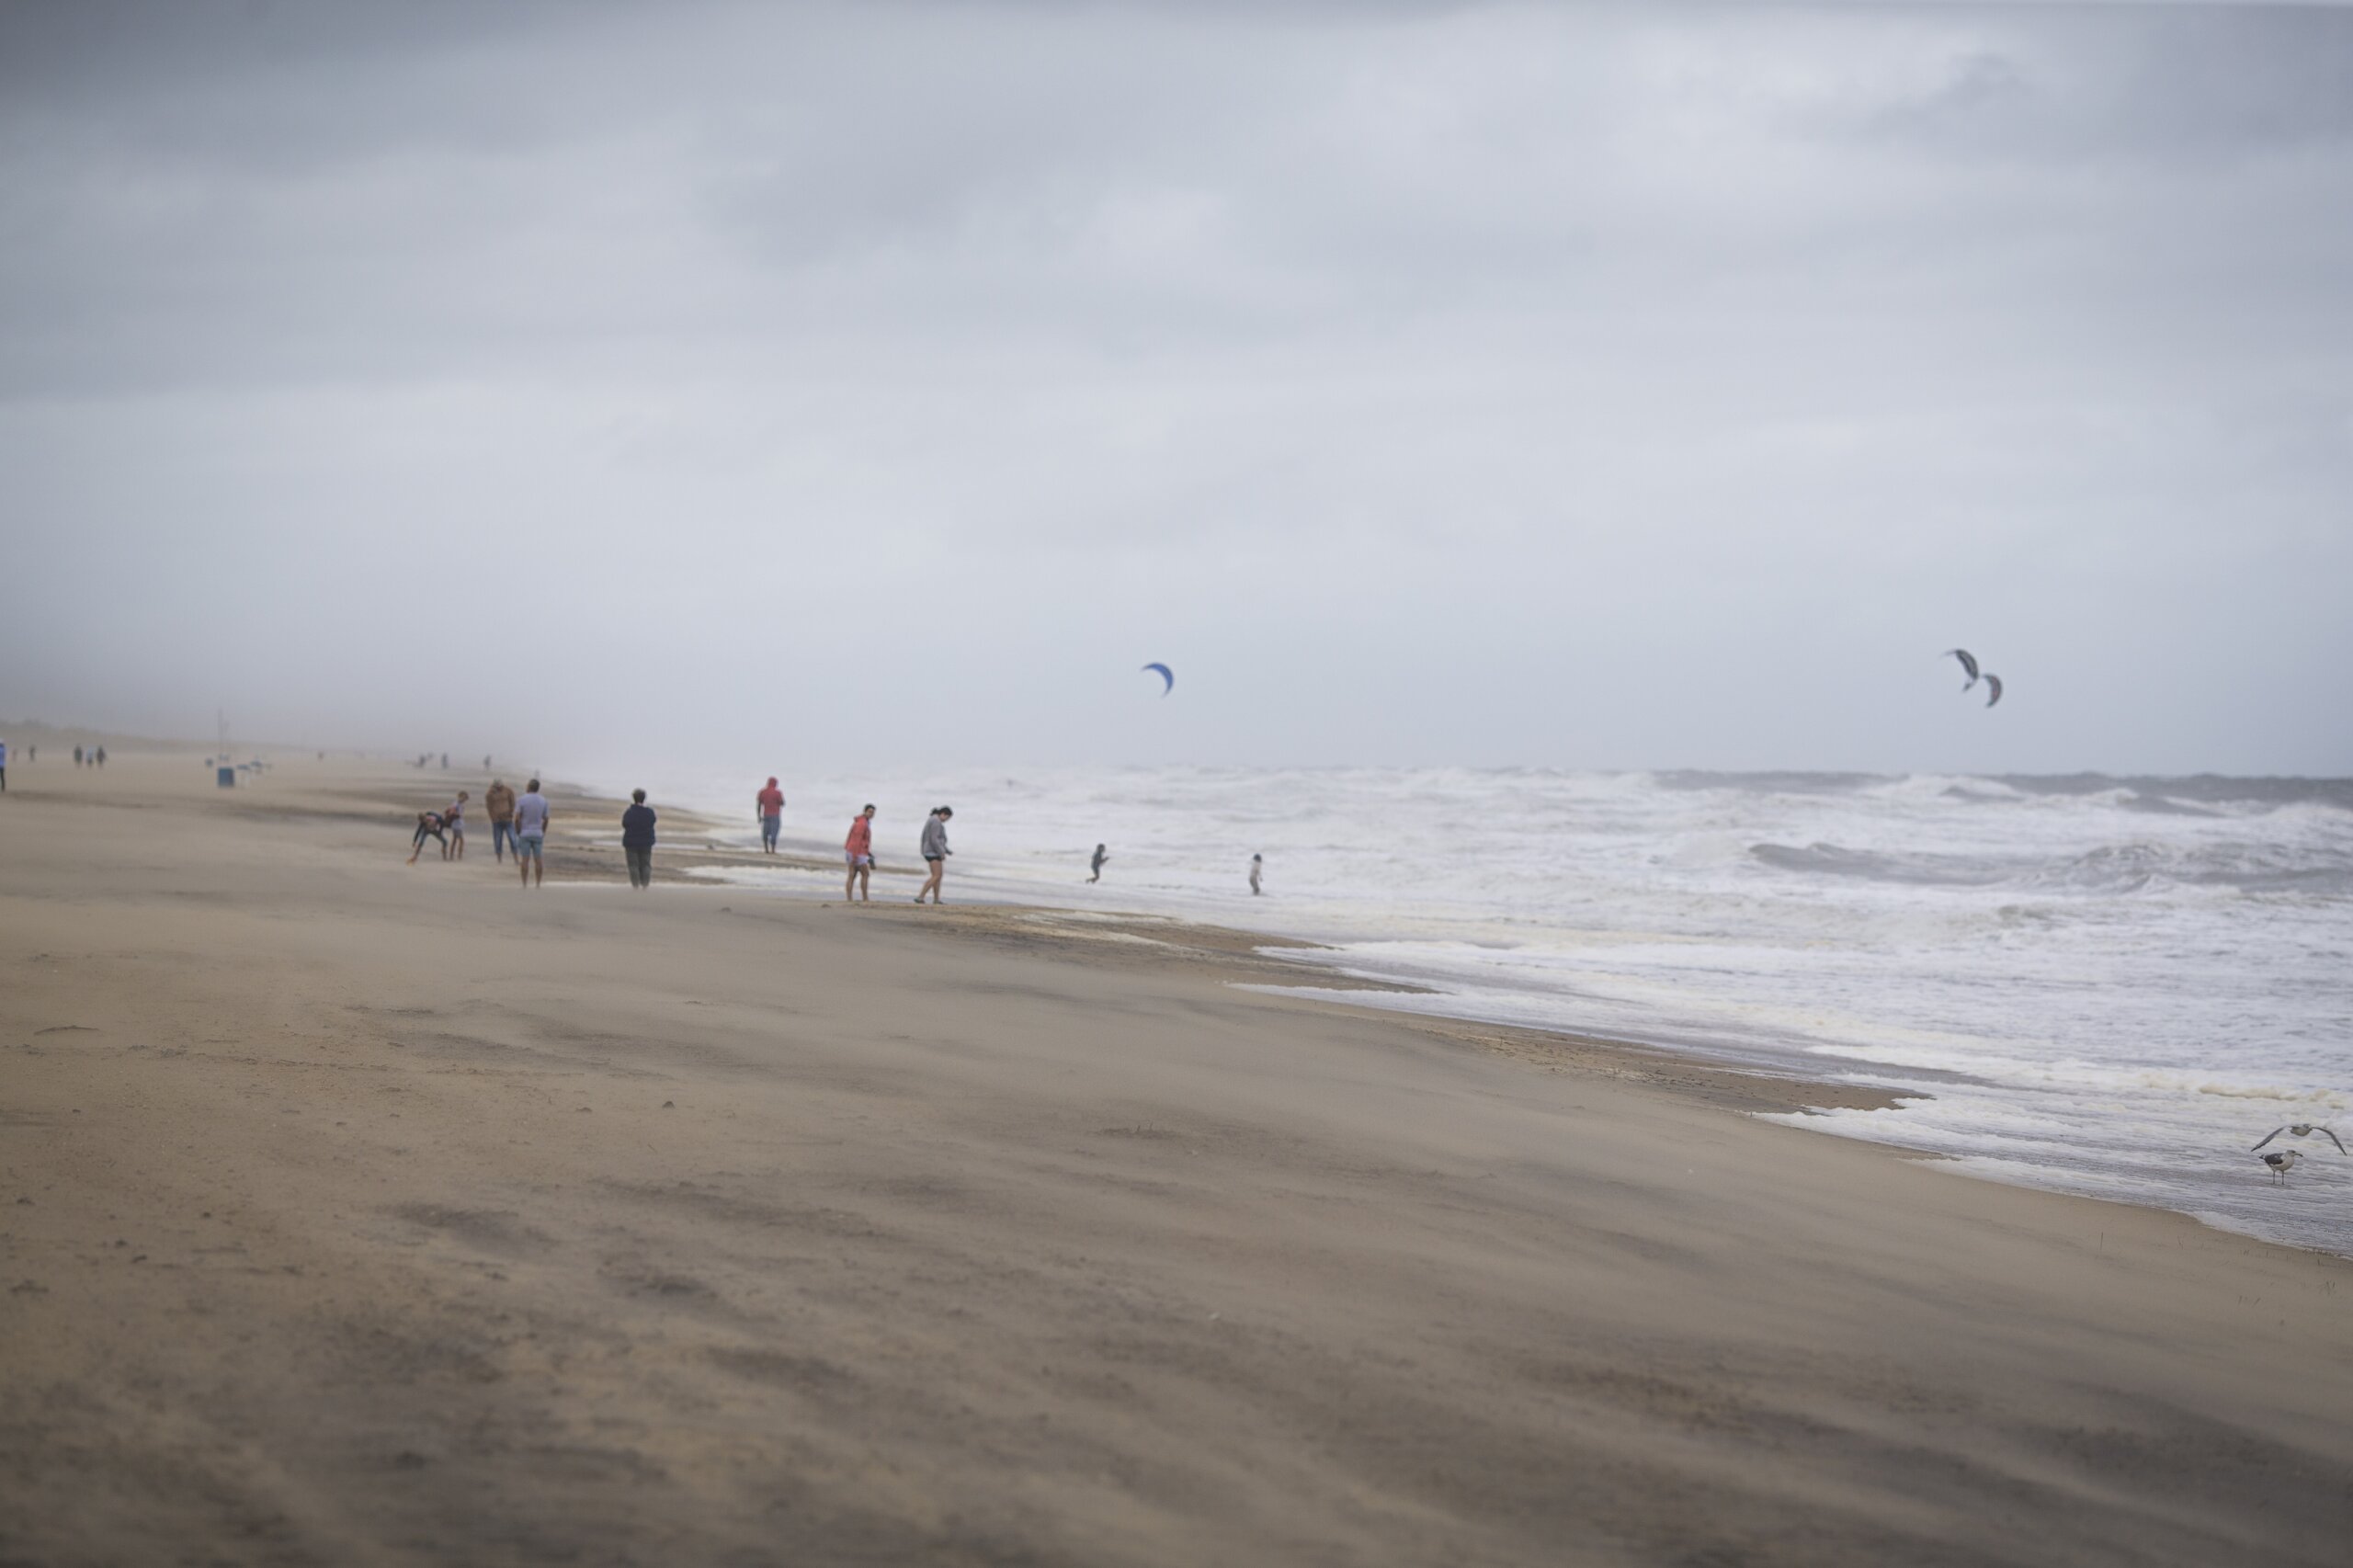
{"points": [[637, 840], [428, 826]]}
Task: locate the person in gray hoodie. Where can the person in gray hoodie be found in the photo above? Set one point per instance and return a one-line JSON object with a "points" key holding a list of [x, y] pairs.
{"points": [[934, 852]]}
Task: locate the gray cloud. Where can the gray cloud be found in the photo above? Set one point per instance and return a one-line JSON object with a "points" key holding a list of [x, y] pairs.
{"points": [[1610, 386]]}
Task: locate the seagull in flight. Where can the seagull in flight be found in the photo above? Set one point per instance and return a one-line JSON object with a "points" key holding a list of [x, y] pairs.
{"points": [[2281, 1162], [2303, 1129]]}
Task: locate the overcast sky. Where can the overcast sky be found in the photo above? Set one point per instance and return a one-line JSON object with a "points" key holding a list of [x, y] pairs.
{"points": [[1610, 387]]}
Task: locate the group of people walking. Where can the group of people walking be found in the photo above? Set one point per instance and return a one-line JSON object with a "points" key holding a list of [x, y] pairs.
{"points": [[520, 822], [92, 756], [857, 850]]}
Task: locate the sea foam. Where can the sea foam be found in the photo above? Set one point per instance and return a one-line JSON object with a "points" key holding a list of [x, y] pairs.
{"points": [[2110, 986]]}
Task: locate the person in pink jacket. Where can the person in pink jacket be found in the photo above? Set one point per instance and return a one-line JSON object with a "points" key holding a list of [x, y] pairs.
{"points": [[859, 851]]}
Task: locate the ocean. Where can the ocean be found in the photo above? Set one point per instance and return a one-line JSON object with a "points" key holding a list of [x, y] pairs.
{"points": [[2100, 985]]}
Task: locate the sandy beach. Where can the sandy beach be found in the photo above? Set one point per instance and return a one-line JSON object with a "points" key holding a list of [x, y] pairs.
{"points": [[359, 1213]]}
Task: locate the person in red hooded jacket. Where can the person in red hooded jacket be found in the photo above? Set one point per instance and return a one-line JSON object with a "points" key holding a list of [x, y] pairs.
{"points": [[771, 815], [859, 850]]}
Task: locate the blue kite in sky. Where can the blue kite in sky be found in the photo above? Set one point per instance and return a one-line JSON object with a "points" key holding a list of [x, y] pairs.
{"points": [[1166, 675]]}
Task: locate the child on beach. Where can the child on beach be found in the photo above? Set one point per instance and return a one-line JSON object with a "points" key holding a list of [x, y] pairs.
{"points": [[858, 849], [934, 852], [1094, 871], [1257, 864], [455, 820], [771, 814], [428, 822]]}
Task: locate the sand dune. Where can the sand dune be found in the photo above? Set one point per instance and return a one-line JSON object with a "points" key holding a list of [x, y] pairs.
{"points": [[359, 1213]]}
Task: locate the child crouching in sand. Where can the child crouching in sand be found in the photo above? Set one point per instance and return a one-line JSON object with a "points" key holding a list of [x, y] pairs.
{"points": [[428, 822]]}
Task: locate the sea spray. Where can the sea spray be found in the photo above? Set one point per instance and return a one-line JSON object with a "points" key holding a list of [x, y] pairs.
{"points": [[2104, 985]]}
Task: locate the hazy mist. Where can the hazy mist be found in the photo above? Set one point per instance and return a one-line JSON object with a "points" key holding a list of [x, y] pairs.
{"points": [[1645, 386]]}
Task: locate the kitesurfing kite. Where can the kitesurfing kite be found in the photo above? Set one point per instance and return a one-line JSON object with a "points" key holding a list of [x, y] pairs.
{"points": [[1994, 682], [1167, 676], [1968, 661]]}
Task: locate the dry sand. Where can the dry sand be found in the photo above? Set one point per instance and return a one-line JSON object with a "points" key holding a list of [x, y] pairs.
{"points": [[356, 1212]]}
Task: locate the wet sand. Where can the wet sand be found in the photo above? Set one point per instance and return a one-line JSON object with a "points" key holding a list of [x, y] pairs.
{"points": [[359, 1213]]}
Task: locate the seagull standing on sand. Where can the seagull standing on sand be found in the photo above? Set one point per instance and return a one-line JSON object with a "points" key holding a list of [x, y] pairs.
{"points": [[2281, 1162], [2304, 1130]]}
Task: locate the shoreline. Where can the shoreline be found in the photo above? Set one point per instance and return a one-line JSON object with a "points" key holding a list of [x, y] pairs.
{"points": [[1238, 956], [1722, 1077], [361, 1211], [1949, 1104]]}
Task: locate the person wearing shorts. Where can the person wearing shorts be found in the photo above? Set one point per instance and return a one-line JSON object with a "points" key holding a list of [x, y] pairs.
{"points": [[455, 820], [771, 814], [935, 853], [531, 818], [859, 850]]}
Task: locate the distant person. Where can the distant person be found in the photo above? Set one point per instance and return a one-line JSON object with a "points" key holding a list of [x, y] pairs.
{"points": [[455, 820], [637, 840], [499, 802], [4, 767], [771, 814], [445, 762], [1095, 870], [858, 849], [485, 762], [934, 852], [1258, 868], [531, 819], [428, 826], [77, 757], [102, 757]]}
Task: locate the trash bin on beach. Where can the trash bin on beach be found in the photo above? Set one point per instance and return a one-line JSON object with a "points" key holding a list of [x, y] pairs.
{"points": [[228, 776]]}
